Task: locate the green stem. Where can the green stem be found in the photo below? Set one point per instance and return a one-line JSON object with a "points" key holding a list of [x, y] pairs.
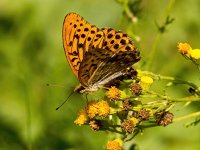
{"points": [[195, 62], [187, 116], [173, 79], [150, 125], [153, 51], [169, 8], [164, 97], [129, 13], [158, 36], [186, 99]]}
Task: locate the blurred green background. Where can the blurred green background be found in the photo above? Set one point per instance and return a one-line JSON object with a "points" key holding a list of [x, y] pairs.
{"points": [[32, 55]]}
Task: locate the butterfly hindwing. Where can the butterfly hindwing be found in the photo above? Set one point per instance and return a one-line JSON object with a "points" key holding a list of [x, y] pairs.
{"points": [[99, 66]]}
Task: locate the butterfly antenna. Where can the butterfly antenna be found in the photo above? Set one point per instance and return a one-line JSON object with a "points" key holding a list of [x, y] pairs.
{"points": [[65, 100]]}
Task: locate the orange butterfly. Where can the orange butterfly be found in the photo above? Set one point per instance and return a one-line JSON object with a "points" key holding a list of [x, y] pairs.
{"points": [[96, 56]]}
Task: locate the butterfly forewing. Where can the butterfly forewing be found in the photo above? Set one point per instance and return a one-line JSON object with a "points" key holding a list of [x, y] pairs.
{"points": [[76, 31]]}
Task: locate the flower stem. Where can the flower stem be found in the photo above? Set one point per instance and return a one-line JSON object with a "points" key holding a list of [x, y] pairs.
{"points": [[164, 97], [158, 36], [153, 51], [173, 79], [187, 116]]}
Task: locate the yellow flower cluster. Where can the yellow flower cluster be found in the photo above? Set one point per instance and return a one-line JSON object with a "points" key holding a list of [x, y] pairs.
{"points": [[186, 50], [101, 109], [94, 109], [114, 145], [113, 93]]}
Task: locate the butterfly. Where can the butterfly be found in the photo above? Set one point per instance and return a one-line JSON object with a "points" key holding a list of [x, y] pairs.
{"points": [[96, 56]]}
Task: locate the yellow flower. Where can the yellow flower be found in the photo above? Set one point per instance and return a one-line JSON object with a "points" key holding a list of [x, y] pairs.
{"points": [[146, 82], [114, 145], [113, 93], [103, 109], [184, 48], [92, 109], [195, 53], [81, 118]]}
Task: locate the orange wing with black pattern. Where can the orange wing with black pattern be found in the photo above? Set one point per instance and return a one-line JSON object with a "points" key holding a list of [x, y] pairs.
{"points": [[77, 35], [81, 39]]}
